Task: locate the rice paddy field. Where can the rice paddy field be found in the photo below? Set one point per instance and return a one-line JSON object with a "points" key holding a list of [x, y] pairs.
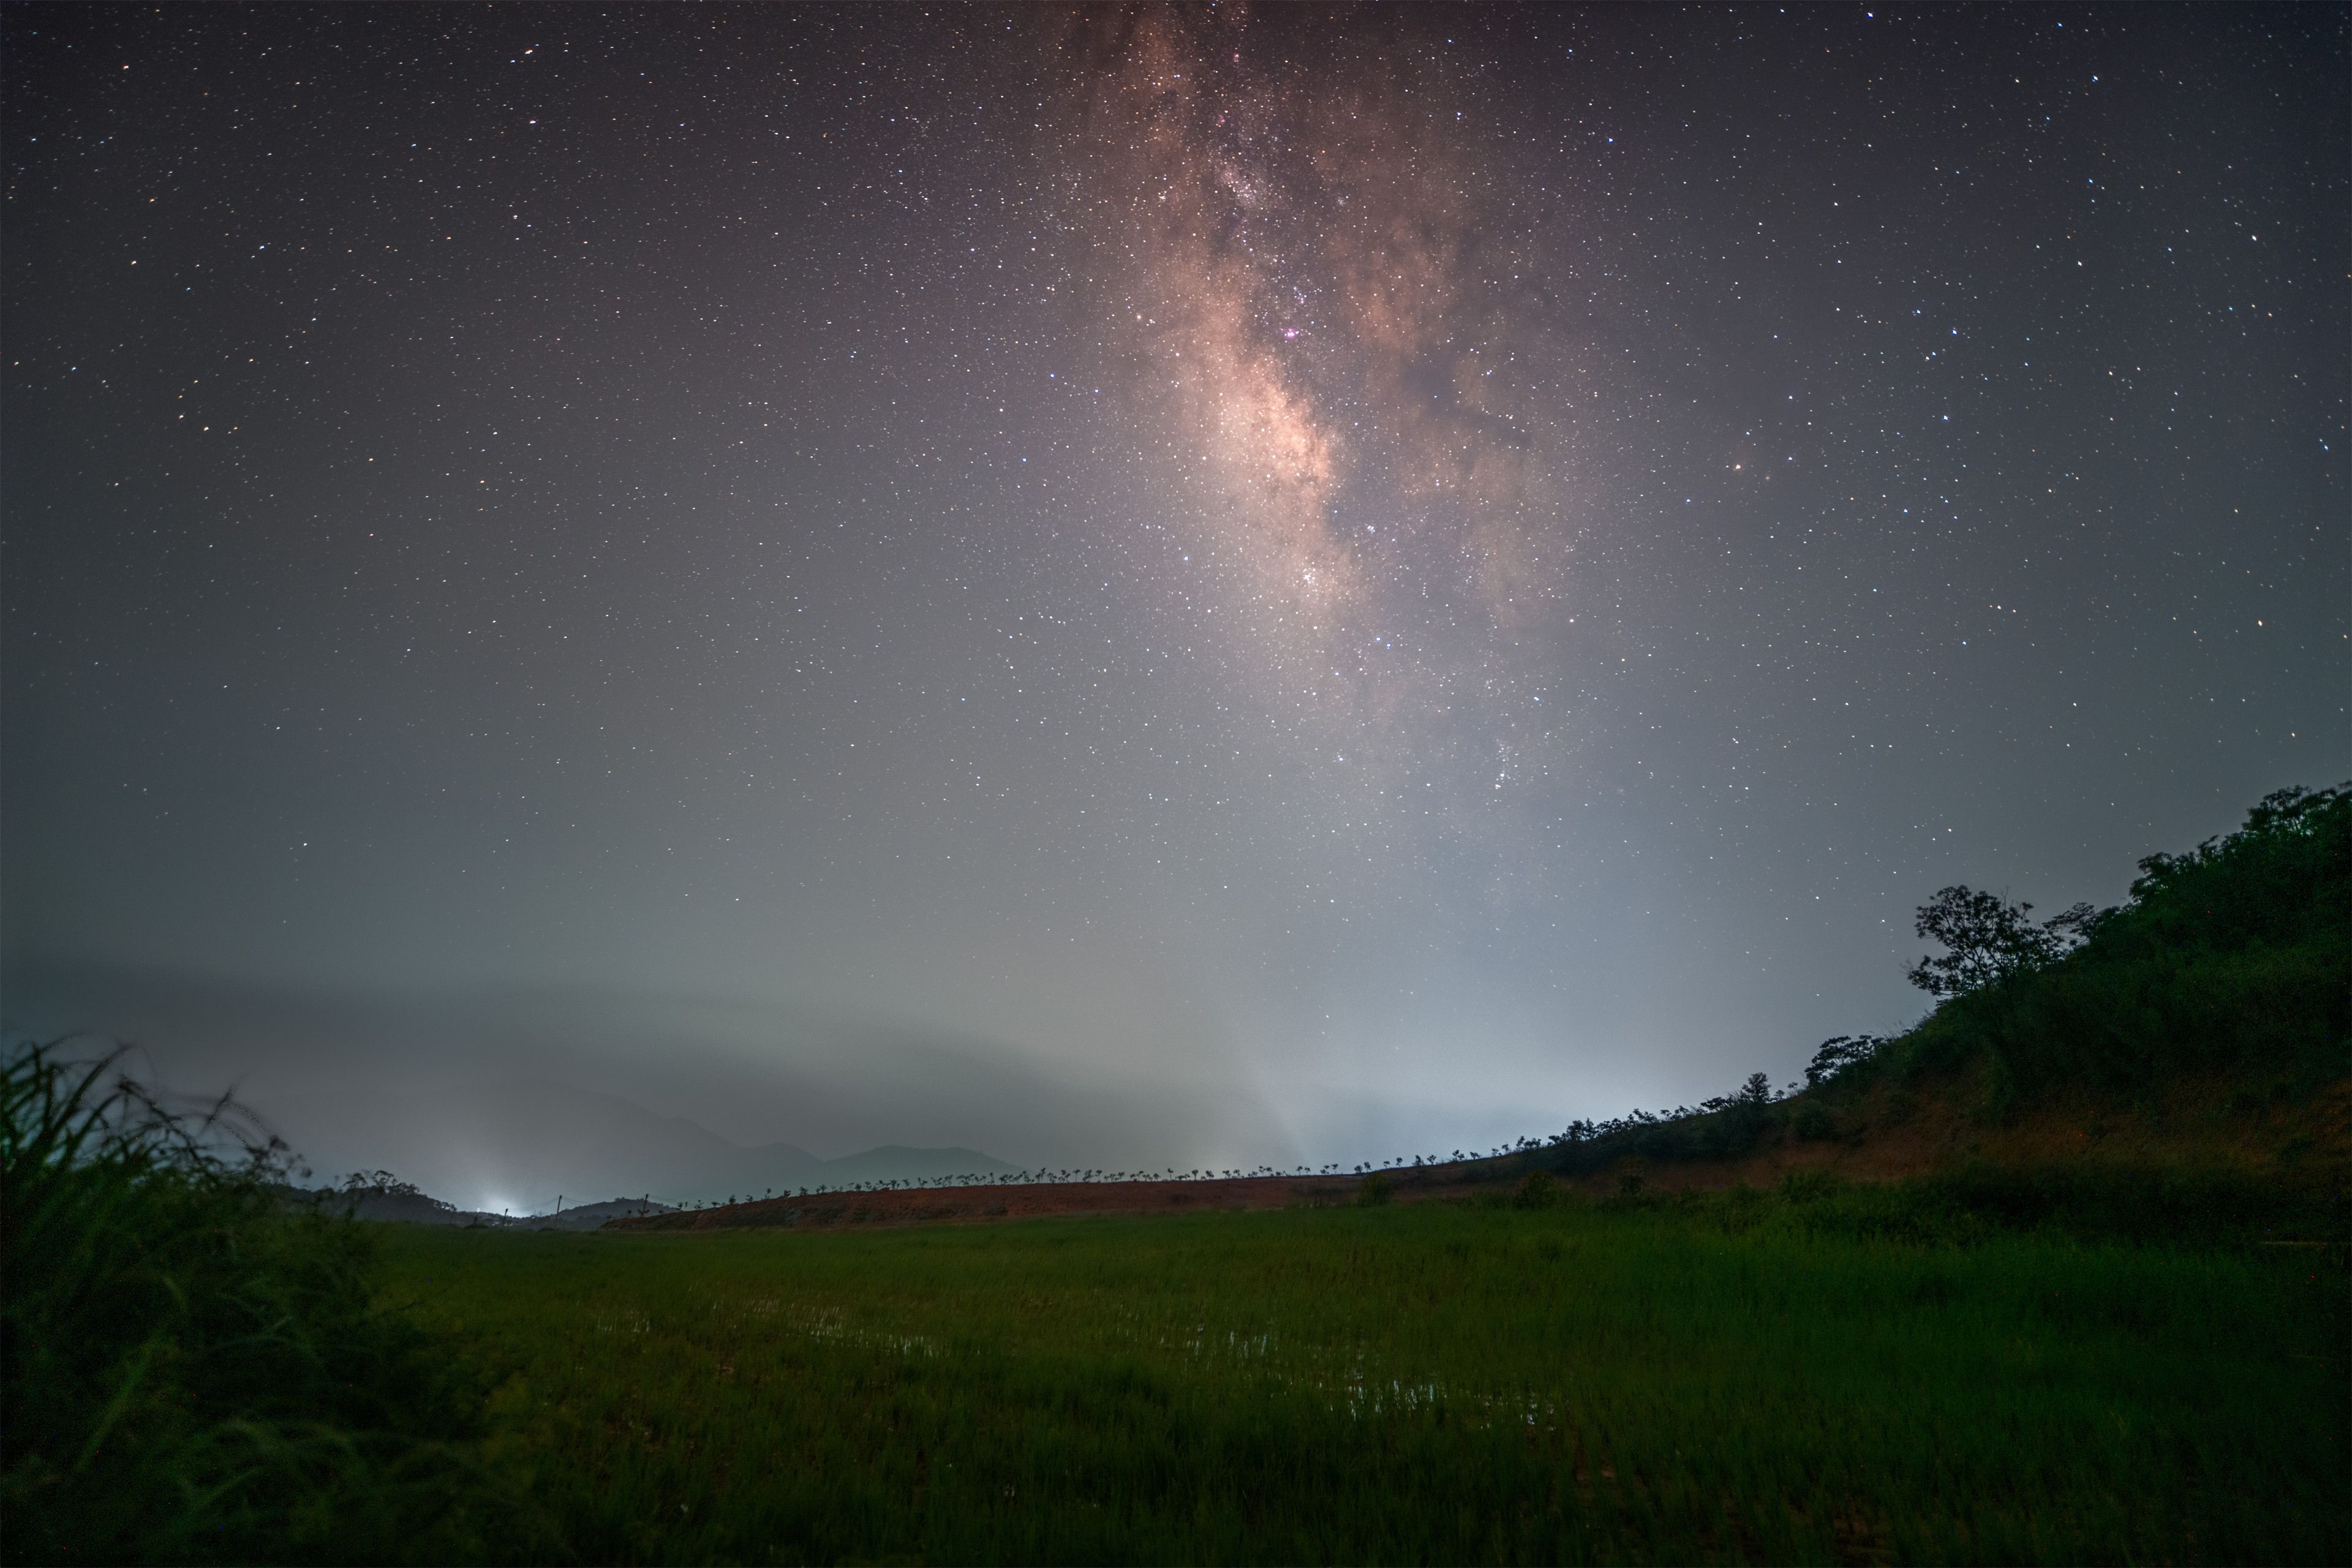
{"points": [[1416, 1383]]}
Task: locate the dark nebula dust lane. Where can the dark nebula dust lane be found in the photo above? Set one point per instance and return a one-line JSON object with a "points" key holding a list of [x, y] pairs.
{"points": [[1184, 584]]}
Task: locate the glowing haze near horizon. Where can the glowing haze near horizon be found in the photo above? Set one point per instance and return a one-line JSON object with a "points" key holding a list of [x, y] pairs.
{"points": [[1135, 587]]}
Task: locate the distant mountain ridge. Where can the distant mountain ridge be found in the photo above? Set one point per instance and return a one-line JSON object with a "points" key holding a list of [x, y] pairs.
{"points": [[519, 1145], [397, 1207]]}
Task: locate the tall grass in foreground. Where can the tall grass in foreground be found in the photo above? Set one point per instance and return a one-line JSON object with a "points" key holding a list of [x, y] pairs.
{"points": [[1747, 1380], [192, 1370]]}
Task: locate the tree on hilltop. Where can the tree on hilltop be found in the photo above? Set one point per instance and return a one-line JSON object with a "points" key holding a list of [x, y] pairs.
{"points": [[1988, 939]]}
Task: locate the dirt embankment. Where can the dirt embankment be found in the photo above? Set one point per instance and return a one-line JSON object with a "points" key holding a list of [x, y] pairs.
{"points": [[969, 1204], [1891, 1133], [1888, 1135]]}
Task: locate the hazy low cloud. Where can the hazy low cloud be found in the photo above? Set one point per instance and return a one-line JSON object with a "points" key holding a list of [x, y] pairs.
{"points": [[497, 1093]]}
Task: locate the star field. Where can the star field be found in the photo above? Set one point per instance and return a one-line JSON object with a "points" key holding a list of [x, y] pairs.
{"points": [[1342, 579]]}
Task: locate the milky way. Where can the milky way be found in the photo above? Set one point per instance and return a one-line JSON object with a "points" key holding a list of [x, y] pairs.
{"points": [[1113, 585], [1316, 288]]}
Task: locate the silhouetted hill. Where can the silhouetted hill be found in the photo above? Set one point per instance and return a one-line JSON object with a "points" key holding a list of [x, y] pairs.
{"points": [[592, 1216], [518, 1145], [402, 1203], [2188, 1055]]}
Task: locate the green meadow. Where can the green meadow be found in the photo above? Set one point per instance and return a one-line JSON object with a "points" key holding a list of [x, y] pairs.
{"points": [[1744, 1378]]}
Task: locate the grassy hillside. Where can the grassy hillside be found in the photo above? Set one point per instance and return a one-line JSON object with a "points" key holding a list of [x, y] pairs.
{"points": [[2233, 962], [2182, 1058]]}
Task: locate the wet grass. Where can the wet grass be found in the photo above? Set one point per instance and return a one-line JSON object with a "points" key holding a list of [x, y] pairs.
{"points": [[1411, 1382]]}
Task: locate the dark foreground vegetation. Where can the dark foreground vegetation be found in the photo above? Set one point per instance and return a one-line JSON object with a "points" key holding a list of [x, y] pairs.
{"points": [[2101, 1313], [193, 1369]]}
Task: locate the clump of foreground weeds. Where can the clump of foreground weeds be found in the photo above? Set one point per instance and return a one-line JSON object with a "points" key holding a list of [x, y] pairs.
{"points": [[195, 1363]]}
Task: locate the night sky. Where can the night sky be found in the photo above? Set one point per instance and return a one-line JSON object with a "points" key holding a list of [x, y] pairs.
{"points": [[1133, 587]]}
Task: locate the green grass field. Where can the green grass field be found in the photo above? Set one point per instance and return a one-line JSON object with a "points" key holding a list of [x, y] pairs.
{"points": [[1407, 1384]]}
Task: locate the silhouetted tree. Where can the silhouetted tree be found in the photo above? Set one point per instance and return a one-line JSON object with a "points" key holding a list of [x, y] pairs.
{"points": [[1838, 1053], [1990, 938]]}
